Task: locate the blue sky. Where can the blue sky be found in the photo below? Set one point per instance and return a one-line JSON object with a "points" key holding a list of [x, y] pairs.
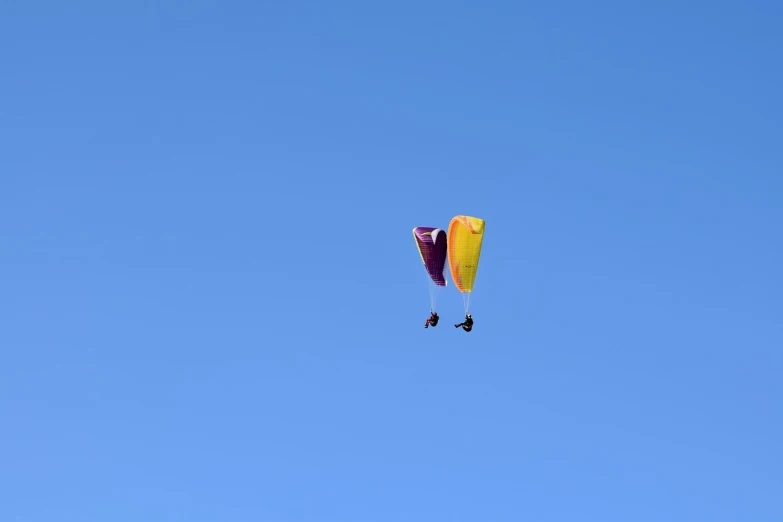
{"points": [[212, 303]]}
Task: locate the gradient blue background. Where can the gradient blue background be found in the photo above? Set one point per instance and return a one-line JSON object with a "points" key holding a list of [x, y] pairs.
{"points": [[212, 306]]}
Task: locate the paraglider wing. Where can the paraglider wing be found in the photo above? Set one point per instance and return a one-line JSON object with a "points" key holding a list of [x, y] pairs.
{"points": [[466, 234], [431, 243]]}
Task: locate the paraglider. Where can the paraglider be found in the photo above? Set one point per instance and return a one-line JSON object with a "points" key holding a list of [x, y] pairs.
{"points": [[467, 325], [431, 244], [466, 234], [432, 320]]}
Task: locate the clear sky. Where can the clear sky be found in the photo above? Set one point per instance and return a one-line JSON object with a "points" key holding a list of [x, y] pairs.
{"points": [[212, 305]]}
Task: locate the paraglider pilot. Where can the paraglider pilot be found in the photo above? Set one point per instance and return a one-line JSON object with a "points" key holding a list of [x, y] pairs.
{"points": [[467, 325], [432, 320]]}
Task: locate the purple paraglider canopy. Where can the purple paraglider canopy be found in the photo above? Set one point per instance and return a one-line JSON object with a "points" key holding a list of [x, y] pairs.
{"points": [[432, 248]]}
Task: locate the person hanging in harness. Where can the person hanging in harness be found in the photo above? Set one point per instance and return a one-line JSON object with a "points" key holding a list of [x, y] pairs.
{"points": [[432, 320], [467, 325]]}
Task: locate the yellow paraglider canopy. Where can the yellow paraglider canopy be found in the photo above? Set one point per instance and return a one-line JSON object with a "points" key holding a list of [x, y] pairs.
{"points": [[466, 234]]}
